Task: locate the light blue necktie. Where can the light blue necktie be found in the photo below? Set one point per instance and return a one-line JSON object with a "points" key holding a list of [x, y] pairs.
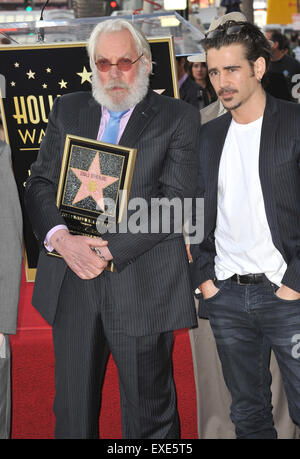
{"points": [[111, 131]]}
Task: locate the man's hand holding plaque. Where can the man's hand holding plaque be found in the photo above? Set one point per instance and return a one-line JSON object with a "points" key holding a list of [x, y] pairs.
{"points": [[87, 257]]}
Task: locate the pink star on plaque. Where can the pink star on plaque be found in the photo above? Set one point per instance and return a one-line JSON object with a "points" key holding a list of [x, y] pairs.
{"points": [[93, 182]]}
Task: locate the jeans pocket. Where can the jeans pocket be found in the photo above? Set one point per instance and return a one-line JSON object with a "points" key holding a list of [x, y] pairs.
{"points": [[220, 285], [275, 288]]}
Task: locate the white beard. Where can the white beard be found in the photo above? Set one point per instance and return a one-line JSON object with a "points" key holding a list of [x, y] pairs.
{"points": [[134, 96]]}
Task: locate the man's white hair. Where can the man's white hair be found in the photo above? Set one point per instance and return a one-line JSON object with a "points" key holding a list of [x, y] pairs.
{"points": [[114, 25]]}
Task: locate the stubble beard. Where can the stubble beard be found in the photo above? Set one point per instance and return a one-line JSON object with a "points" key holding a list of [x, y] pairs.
{"points": [[227, 104], [233, 107], [135, 94]]}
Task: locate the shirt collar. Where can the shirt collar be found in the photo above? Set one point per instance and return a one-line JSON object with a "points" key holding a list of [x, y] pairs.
{"points": [[105, 112], [182, 79]]}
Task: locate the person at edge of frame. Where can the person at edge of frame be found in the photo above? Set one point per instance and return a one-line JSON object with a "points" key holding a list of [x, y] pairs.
{"points": [[10, 278]]}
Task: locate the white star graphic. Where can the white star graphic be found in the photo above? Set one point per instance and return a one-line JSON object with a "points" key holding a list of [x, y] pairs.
{"points": [[63, 84], [85, 75], [30, 75]]}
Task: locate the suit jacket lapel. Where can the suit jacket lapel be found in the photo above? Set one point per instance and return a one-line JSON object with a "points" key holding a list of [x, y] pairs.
{"points": [[141, 116], [89, 120], [267, 144], [267, 169], [214, 140], [216, 143], [214, 152]]}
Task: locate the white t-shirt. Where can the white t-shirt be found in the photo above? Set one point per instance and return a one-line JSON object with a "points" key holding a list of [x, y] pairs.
{"points": [[243, 239]]}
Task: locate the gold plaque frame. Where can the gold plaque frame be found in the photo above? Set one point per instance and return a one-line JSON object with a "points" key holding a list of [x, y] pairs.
{"points": [[94, 185]]}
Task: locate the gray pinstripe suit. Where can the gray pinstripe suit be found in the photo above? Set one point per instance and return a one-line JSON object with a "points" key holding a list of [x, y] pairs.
{"points": [[10, 276], [150, 294]]}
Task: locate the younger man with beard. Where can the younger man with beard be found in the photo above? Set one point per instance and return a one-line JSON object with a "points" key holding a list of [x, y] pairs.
{"points": [[131, 312], [248, 265]]}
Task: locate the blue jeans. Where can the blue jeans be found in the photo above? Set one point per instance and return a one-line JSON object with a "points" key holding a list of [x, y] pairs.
{"points": [[246, 320]]}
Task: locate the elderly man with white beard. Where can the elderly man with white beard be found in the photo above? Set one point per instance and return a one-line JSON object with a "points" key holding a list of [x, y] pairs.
{"points": [[132, 312]]}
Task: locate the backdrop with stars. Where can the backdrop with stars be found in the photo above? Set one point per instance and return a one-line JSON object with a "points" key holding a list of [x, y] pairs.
{"points": [[31, 78]]}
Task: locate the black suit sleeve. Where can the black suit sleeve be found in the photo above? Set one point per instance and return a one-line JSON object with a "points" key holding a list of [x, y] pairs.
{"points": [[291, 277], [203, 253]]}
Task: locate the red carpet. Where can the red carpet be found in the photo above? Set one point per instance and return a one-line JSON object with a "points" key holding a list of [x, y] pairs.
{"points": [[33, 380]]}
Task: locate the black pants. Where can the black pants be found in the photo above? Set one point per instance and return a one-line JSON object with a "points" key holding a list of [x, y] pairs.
{"points": [[86, 328]]}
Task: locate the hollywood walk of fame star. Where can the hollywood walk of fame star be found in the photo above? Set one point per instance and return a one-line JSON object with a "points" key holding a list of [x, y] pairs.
{"points": [[93, 182], [85, 75]]}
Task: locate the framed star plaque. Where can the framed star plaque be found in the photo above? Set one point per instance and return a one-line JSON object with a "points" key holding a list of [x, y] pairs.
{"points": [[94, 185]]}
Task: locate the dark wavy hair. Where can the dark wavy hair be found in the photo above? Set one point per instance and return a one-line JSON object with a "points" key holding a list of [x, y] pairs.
{"points": [[250, 36]]}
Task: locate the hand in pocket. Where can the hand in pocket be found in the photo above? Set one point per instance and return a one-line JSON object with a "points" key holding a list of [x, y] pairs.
{"points": [[208, 289]]}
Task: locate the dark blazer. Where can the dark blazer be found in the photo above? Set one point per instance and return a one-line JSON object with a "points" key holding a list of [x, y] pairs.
{"points": [[279, 170], [152, 288], [189, 92]]}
